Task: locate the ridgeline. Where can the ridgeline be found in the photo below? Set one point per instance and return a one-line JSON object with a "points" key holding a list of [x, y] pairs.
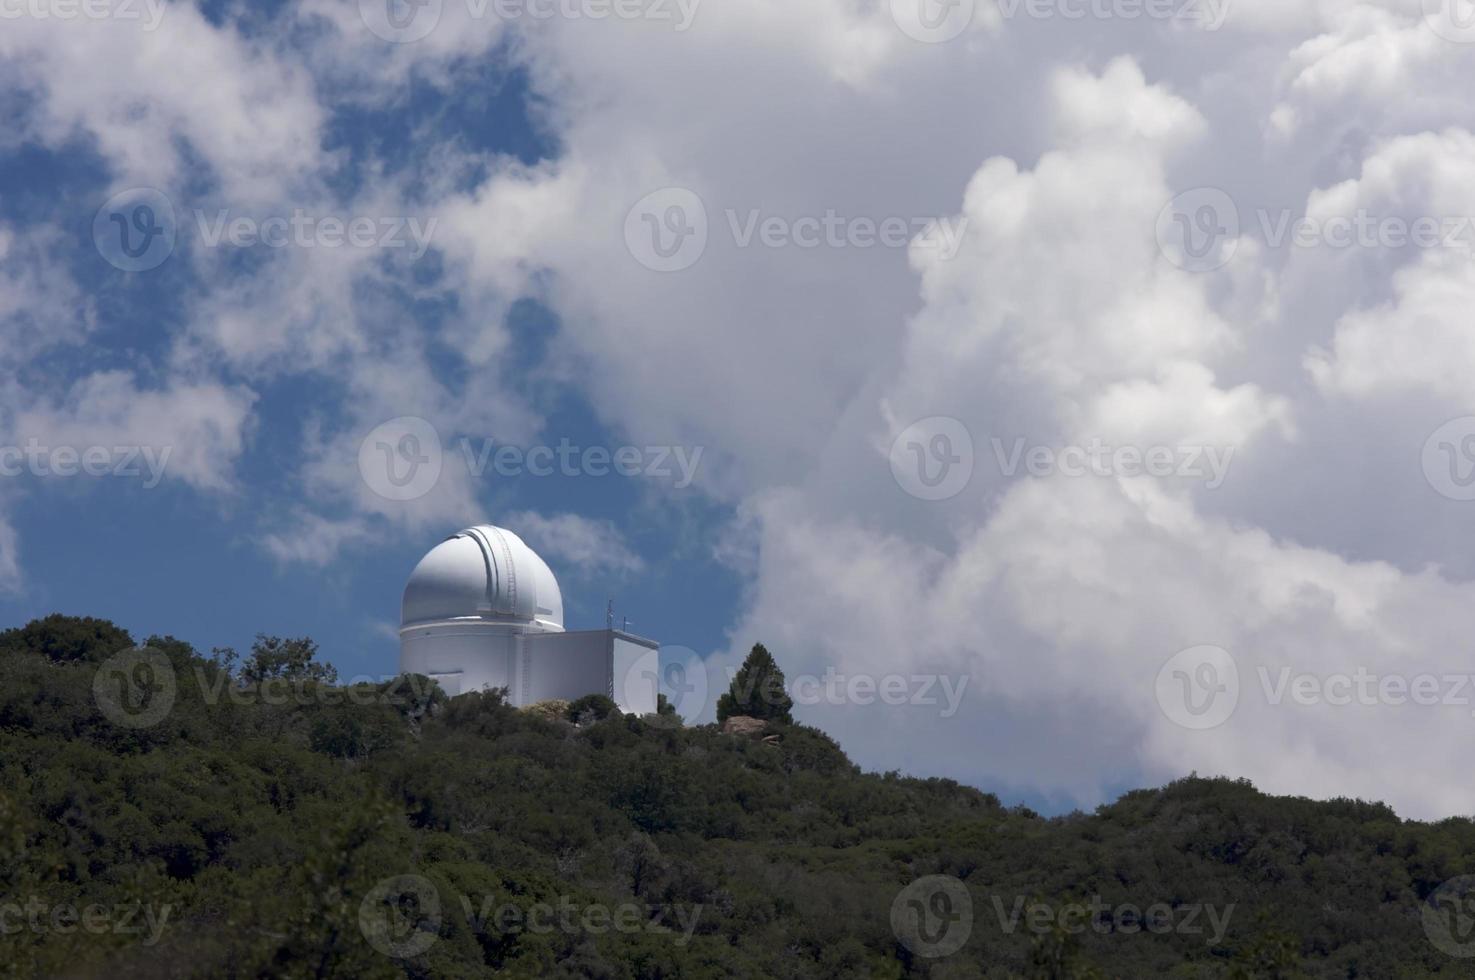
{"points": [[168, 814]]}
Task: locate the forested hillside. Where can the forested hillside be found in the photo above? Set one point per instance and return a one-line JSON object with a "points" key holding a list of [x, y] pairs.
{"points": [[245, 816]]}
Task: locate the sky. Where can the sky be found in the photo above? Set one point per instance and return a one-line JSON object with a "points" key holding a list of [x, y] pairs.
{"points": [[1072, 394]]}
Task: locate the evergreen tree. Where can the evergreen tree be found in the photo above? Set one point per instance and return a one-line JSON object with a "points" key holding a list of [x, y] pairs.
{"points": [[757, 690]]}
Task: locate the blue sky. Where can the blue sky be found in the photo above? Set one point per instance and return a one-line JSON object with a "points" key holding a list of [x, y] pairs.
{"points": [[159, 559], [1111, 366]]}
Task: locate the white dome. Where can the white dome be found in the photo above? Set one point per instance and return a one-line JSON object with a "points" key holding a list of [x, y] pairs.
{"points": [[483, 573]]}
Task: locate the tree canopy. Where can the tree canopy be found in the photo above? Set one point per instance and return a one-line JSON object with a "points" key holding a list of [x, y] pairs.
{"points": [[383, 830], [757, 690]]}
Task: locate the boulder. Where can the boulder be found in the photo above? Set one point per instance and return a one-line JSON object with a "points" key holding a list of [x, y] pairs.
{"points": [[744, 725]]}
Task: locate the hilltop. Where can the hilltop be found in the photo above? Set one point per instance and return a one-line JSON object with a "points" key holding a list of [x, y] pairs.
{"points": [[247, 816]]}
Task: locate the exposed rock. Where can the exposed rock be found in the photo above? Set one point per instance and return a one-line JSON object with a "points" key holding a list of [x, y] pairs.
{"points": [[744, 725]]}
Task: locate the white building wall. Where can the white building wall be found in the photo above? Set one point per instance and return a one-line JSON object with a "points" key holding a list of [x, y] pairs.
{"points": [[461, 658], [566, 665], [637, 675], [535, 666]]}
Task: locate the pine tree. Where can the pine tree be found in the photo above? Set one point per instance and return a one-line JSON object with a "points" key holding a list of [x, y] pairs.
{"points": [[757, 690]]}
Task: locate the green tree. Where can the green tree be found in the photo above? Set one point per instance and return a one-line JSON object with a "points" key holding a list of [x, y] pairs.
{"points": [[757, 690], [595, 707], [273, 656], [67, 639]]}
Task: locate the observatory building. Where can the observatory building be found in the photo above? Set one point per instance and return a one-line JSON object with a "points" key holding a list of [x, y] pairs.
{"points": [[482, 610]]}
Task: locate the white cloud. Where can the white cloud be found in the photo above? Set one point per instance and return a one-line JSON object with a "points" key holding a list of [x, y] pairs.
{"points": [[1058, 320], [312, 539], [1415, 340], [134, 93], [196, 430], [588, 545], [40, 305]]}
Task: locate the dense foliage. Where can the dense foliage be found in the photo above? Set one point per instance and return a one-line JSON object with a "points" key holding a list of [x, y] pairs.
{"points": [[757, 690], [280, 826]]}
